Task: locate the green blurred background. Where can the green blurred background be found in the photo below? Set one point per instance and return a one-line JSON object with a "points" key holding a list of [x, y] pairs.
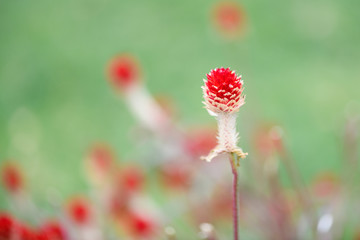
{"points": [[299, 61]]}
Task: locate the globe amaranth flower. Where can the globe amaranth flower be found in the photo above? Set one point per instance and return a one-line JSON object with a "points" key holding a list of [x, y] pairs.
{"points": [[229, 18], [223, 98], [124, 71], [12, 178]]}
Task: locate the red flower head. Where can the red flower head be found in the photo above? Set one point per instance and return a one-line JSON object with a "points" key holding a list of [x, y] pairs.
{"points": [[140, 225], [53, 231], [12, 229], [12, 178], [7, 225], [222, 91], [222, 95], [124, 71], [25, 233], [132, 179], [229, 17], [79, 211]]}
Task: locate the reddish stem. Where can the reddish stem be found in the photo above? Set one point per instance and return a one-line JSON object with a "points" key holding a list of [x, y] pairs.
{"points": [[236, 195]]}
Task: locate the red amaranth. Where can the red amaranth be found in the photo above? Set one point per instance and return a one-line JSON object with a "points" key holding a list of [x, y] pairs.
{"points": [[25, 232], [6, 226], [131, 179], [123, 71], [52, 230], [79, 211], [141, 226], [12, 178], [229, 17], [222, 91]]}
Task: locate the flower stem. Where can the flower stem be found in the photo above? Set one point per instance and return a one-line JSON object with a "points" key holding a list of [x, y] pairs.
{"points": [[236, 193]]}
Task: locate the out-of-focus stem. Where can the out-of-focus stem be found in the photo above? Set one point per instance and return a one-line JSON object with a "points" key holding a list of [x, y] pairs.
{"points": [[236, 193], [350, 151], [147, 110], [282, 218], [303, 195], [350, 171]]}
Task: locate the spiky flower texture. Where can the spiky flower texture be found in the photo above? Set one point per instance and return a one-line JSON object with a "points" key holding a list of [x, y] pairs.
{"points": [[223, 99], [222, 91]]}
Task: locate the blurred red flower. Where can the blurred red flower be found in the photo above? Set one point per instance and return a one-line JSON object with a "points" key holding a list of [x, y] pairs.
{"points": [[141, 225], [123, 71], [79, 210], [7, 224], [52, 230], [229, 17], [12, 178]]}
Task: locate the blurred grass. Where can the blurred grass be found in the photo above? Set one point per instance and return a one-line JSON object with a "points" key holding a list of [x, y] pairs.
{"points": [[299, 60]]}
